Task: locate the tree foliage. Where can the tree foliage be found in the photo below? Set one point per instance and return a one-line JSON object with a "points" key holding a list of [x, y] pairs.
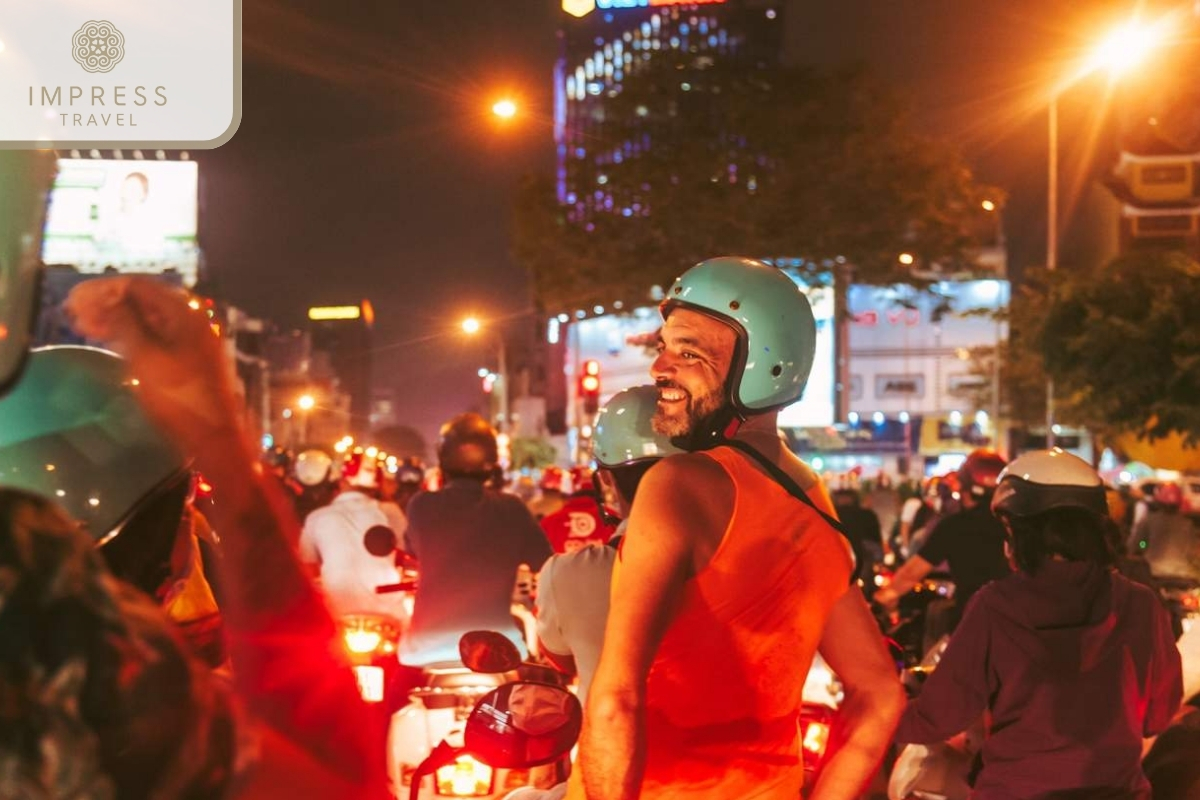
{"points": [[1121, 343], [799, 163]]}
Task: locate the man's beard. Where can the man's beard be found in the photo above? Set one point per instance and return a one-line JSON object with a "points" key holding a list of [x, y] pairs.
{"points": [[697, 409]]}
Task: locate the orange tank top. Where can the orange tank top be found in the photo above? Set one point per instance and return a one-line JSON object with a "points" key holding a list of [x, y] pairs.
{"points": [[724, 690]]}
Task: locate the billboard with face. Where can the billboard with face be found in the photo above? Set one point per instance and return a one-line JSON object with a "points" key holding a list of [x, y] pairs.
{"points": [[131, 216]]}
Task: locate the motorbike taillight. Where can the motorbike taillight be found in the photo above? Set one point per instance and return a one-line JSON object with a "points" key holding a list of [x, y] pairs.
{"points": [[814, 734], [466, 777]]}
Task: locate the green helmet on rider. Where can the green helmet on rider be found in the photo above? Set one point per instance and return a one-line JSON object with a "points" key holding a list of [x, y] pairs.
{"points": [[25, 179], [75, 433], [774, 342], [625, 444]]}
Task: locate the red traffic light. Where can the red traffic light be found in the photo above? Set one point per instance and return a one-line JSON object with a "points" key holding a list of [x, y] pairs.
{"points": [[592, 367], [590, 383]]}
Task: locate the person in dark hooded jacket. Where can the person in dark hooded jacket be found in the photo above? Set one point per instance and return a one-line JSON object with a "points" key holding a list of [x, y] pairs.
{"points": [[1073, 664]]}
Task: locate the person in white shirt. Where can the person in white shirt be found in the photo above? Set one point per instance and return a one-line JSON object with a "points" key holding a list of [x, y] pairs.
{"points": [[573, 587], [332, 543]]}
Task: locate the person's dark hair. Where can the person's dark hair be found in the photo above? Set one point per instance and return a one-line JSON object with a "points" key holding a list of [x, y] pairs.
{"points": [[1073, 533], [102, 696], [629, 477]]}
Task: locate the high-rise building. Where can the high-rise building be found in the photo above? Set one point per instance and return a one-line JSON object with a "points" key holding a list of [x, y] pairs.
{"points": [[606, 43], [341, 338]]}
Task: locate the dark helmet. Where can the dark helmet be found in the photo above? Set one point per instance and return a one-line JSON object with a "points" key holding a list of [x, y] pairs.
{"points": [[467, 447], [980, 473], [1038, 482]]}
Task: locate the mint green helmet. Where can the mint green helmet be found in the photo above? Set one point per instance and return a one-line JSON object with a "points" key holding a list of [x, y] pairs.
{"points": [[74, 432], [25, 180], [774, 323], [624, 435]]}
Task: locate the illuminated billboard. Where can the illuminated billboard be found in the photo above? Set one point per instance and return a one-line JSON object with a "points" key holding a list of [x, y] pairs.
{"points": [[581, 8], [132, 216]]}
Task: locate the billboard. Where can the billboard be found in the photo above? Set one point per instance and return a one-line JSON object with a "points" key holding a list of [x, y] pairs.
{"points": [[132, 216]]}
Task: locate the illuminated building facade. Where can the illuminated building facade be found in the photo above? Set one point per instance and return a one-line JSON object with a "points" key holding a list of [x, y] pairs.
{"points": [[607, 42]]}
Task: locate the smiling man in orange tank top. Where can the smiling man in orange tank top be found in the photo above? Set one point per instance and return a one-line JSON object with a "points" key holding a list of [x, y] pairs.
{"points": [[733, 574]]}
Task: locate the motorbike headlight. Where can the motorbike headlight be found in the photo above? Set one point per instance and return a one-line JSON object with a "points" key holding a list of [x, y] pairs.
{"points": [[466, 777]]}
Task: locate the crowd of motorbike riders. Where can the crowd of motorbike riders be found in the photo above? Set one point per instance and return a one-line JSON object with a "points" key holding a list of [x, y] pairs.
{"points": [[688, 581]]}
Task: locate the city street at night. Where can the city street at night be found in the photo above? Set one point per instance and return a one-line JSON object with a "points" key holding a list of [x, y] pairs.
{"points": [[600, 400]]}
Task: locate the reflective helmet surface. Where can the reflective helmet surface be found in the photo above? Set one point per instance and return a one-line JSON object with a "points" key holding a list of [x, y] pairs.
{"points": [[624, 435], [25, 181], [1047, 479], [74, 432], [313, 467], [773, 320], [467, 446]]}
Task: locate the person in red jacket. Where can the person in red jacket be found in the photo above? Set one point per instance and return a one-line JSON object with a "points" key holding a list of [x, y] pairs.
{"points": [[1073, 664], [583, 519]]}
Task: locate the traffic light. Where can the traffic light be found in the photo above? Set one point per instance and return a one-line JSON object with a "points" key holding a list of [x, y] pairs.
{"points": [[589, 387]]}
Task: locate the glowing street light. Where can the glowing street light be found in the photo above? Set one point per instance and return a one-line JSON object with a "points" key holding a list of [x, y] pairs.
{"points": [[988, 205], [906, 259], [306, 402], [504, 109], [1120, 51], [1125, 48], [472, 326]]}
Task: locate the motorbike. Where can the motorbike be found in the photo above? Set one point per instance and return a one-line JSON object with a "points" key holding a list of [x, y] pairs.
{"points": [[917, 623], [371, 640], [441, 706], [510, 728]]}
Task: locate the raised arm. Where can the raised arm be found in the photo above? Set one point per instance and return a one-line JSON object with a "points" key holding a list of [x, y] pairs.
{"points": [[677, 498], [281, 635]]}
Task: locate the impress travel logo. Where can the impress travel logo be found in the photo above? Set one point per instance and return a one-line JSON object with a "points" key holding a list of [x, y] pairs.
{"points": [[98, 46], [148, 74]]}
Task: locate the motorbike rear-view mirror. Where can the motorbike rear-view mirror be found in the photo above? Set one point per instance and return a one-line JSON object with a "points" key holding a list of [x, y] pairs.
{"points": [[25, 181], [488, 652], [522, 725], [380, 541]]}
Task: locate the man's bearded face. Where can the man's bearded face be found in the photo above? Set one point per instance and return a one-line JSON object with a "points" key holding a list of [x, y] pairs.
{"points": [[695, 354]]}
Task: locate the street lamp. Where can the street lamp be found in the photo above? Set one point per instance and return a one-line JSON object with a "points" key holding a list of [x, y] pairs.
{"points": [[472, 326], [505, 108], [306, 402], [1120, 51]]}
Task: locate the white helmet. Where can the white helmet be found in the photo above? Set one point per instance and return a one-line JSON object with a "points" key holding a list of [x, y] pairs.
{"points": [[313, 467], [1038, 482]]}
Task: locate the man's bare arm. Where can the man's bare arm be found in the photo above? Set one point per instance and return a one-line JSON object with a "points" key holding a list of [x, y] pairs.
{"points": [[854, 650], [677, 498]]}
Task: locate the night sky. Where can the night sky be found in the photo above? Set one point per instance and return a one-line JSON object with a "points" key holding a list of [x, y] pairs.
{"points": [[368, 165]]}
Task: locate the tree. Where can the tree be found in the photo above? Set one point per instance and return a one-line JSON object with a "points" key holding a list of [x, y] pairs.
{"points": [[531, 452], [1121, 343], [797, 163]]}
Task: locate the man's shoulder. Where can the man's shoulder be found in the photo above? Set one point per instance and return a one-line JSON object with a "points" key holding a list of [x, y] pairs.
{"points": [[689, 471]]}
